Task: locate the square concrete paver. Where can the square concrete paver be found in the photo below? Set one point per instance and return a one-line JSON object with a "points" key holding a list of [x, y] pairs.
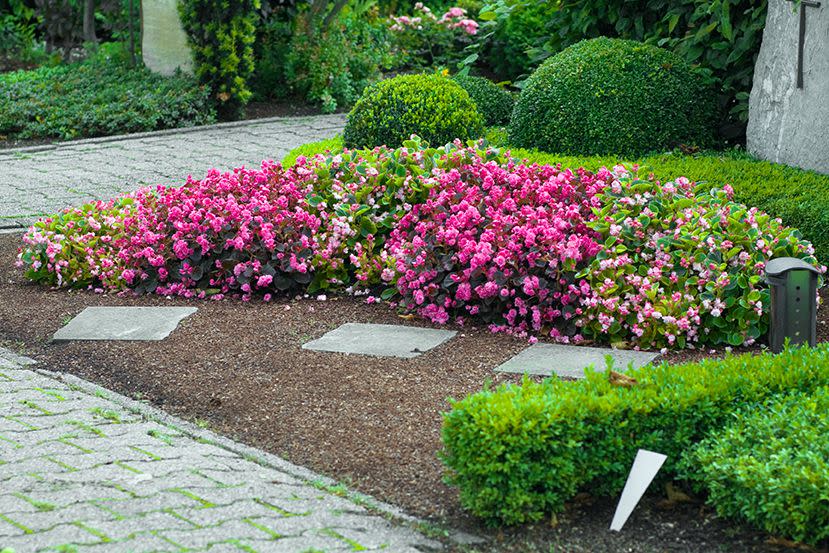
{"points": [[546, 359], [380, 340], [123, 323]]}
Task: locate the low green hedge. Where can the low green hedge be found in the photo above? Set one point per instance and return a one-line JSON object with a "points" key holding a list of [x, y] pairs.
{"points": [[313, 148], [770, 467], [520, 452], [99, 97]]}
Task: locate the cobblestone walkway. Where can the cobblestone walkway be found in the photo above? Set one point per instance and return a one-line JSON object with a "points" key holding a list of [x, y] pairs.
{"points": [[35, 181], [85, 470]]}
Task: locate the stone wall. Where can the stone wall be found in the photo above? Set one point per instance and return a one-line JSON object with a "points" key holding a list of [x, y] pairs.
{"points": [[788, 124], [163, 41]]}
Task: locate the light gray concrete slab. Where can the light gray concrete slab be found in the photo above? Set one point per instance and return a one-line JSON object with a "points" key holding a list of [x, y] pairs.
{"points": [[570, 361], [380, 340], [124, 323]]}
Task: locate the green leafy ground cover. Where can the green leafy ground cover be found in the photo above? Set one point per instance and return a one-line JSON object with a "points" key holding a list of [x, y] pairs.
{"points": [[98, 97]]}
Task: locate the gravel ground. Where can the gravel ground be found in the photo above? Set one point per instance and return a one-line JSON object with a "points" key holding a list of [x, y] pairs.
{"points": [[371, 423]]}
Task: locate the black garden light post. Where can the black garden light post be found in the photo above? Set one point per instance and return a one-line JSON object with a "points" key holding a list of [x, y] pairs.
{"points": [[793, 286]]}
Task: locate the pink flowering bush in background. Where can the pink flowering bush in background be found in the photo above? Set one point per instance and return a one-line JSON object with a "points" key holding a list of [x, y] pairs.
{"points": [[681, 265], [455, 233], [428, 40], [501, 244]]}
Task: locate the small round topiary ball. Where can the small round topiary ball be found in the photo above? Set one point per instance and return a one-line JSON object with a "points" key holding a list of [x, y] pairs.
{"points": [[433, 107], [613, 96], [494, 103]]}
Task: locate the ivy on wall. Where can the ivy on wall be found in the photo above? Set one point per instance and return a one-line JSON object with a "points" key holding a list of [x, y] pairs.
{"points": [[221, 35]]}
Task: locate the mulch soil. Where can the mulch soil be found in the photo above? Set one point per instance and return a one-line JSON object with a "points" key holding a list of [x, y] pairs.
{"points": [[372, 423]]}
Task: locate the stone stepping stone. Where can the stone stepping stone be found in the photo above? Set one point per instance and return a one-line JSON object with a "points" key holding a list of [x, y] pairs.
{"points": [[380, 340], [570, 361], [123, 323]]}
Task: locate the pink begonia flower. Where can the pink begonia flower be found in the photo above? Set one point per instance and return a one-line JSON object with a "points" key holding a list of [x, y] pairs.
{"points": [[480, 214], [471, 237], [470, 26]]}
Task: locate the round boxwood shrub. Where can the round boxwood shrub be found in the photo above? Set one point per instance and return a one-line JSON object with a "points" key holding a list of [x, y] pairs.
{"points": [[494, 103], [431, 106], [612, 96]]}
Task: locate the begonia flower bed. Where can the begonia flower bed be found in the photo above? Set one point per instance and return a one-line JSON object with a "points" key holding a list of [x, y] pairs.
{"points": [[456, 234]]}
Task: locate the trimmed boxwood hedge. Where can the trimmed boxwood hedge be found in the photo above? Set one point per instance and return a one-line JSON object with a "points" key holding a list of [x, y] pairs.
{"points": [[494, 103], [520, 452], [612, 96], [770, 467], [431, 106]]}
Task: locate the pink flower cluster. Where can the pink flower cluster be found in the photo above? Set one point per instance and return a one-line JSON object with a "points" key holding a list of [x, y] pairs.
{"points": [[499, 243], [75, 248], [319, 224], [237, 232], [681, 265], [454, 18]]}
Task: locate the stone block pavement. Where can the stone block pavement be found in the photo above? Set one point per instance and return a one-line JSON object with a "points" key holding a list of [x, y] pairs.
{"points": [[85, 470], [44, 179]]}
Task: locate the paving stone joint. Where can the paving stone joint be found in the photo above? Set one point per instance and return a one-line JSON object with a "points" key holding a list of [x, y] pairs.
{"points": [[87, 470]]}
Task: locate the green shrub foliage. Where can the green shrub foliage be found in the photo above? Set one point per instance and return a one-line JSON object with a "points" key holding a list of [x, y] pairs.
{"points": [[519, 452], [494, 103], [509, 53], [610, 96], [722, 37], [99, 97], [331, 66], [273, 38], [221, 34], [770, 466], [431, 106]]}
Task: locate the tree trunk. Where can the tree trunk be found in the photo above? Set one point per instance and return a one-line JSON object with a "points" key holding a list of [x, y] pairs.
{"points": [[332, 15], [89, 21]]}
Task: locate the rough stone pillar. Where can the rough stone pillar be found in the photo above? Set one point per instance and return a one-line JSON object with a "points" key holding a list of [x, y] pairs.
{"points": [[163, 41], [787, 124]]}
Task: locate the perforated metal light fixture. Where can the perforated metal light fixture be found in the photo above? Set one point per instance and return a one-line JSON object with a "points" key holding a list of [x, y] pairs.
{"points": [[793, 287]]}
